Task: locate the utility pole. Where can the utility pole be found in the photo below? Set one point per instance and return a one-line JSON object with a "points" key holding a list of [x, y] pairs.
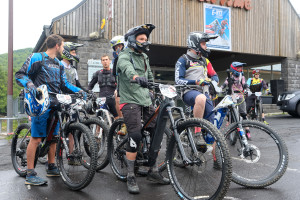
{"points": [[10, 68]]}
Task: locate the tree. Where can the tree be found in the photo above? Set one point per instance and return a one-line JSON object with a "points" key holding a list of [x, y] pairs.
{"points": [[19, 58]]}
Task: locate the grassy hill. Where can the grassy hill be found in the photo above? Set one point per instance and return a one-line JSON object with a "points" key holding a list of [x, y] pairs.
{"points": [[19, 58]]}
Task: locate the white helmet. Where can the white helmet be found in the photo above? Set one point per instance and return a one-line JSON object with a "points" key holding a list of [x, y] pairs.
{"points": [[119, 39]]}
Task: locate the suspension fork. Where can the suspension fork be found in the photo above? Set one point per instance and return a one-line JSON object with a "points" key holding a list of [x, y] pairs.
{"points": [[177, 137], [240, 129], [63, 135]]}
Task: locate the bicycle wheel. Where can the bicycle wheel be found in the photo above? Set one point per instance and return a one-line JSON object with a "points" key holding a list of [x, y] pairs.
{"points": [[100, 131], [198, 179], [74, 174], [19, 145], [233, 138], [266, 161], [117, 150]]}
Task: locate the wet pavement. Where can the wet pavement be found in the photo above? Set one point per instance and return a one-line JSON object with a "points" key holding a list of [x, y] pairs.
{"points": [[106, 186]]}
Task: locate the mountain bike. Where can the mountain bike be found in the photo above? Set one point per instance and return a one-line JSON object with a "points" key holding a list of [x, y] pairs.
{"points": [[196, 178], [76, 177], [100, 131], [258, 162], [98, 127], [255, 112]]}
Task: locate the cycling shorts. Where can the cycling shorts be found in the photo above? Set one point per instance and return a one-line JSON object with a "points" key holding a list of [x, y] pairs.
{"points": [[39, 125], [190, 97]]}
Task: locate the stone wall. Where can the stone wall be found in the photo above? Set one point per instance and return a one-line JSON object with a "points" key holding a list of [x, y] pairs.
{"points": [[290, 73], [91, 49]]}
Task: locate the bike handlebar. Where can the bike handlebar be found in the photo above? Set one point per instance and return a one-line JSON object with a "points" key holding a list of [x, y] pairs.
{"points": [[150, 84]]}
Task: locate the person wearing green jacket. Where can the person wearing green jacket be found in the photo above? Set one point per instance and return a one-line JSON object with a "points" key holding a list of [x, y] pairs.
{"points": [[133, 64]]}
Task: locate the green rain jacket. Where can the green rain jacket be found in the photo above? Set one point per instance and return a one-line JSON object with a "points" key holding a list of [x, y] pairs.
{"points": [[131, 63]]}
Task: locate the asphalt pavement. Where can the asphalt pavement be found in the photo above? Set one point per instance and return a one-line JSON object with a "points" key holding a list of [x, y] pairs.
{"points": [[106, 186]]}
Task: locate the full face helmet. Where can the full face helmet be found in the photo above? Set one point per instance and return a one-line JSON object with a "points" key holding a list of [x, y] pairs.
{"points": [[237, 68], [255, 71], [194, 40], [68, 47], [132, 33], [39, 104]]}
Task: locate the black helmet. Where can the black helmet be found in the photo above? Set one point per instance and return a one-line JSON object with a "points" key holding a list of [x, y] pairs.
{"points": [[132, 33], [70, 46], [194, 40]]}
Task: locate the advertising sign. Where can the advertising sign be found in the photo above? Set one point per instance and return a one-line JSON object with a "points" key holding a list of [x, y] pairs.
{"points": [[217, 21]]}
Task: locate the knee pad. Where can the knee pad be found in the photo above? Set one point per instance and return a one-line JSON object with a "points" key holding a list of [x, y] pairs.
{"points": [[134, 140]]}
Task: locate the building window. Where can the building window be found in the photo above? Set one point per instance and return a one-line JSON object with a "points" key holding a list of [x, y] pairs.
{"points": [[163, 74]]}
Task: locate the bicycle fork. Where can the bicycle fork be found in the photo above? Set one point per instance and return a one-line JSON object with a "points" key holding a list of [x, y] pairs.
{"points": [[185, 159], [241, 131]]}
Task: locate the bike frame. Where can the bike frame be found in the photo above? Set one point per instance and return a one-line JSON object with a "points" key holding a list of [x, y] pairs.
{"points": [[56, 116], [222, 109], [164, 112], [104, 113]]}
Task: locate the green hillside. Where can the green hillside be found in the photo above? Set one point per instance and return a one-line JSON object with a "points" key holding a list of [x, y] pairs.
{"points": [[19, 58]]}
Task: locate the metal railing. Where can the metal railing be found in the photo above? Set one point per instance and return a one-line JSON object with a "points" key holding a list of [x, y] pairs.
{"points": [[8, 120]]}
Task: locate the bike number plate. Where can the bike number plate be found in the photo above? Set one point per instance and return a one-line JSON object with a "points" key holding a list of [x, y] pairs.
{"points": [[168, 90], [64, 99]]}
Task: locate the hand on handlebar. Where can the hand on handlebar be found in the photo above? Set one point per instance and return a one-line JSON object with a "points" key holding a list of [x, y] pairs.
{"points": [[84, 94], [142, 81], [203, 82]]}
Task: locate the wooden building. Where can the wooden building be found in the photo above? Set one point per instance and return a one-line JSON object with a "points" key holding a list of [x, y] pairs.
{"points": [[263, 32]]}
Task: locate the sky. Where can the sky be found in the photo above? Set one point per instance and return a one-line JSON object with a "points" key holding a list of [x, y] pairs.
{"points": [[31, 15], [29, 18]]}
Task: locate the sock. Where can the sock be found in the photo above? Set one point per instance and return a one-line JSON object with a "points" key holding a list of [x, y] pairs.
{"points": [[30, 172], [214, 157], [247, 131], [51, 166], [263, 119], [130, 167]]}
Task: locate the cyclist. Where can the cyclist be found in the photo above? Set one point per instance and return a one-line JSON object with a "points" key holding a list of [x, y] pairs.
{"points": [[238, 87], [133, 64], [118, 44], [256, 84], [68, 56], [193, 68], [107, 84], [38, 69]]}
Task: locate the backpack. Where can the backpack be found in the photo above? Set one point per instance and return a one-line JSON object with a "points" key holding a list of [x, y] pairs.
{"points": [[115, 73], [115, 66]]}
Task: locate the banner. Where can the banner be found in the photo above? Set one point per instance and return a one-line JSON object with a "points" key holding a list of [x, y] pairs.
{"points": [[217, 21]]}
